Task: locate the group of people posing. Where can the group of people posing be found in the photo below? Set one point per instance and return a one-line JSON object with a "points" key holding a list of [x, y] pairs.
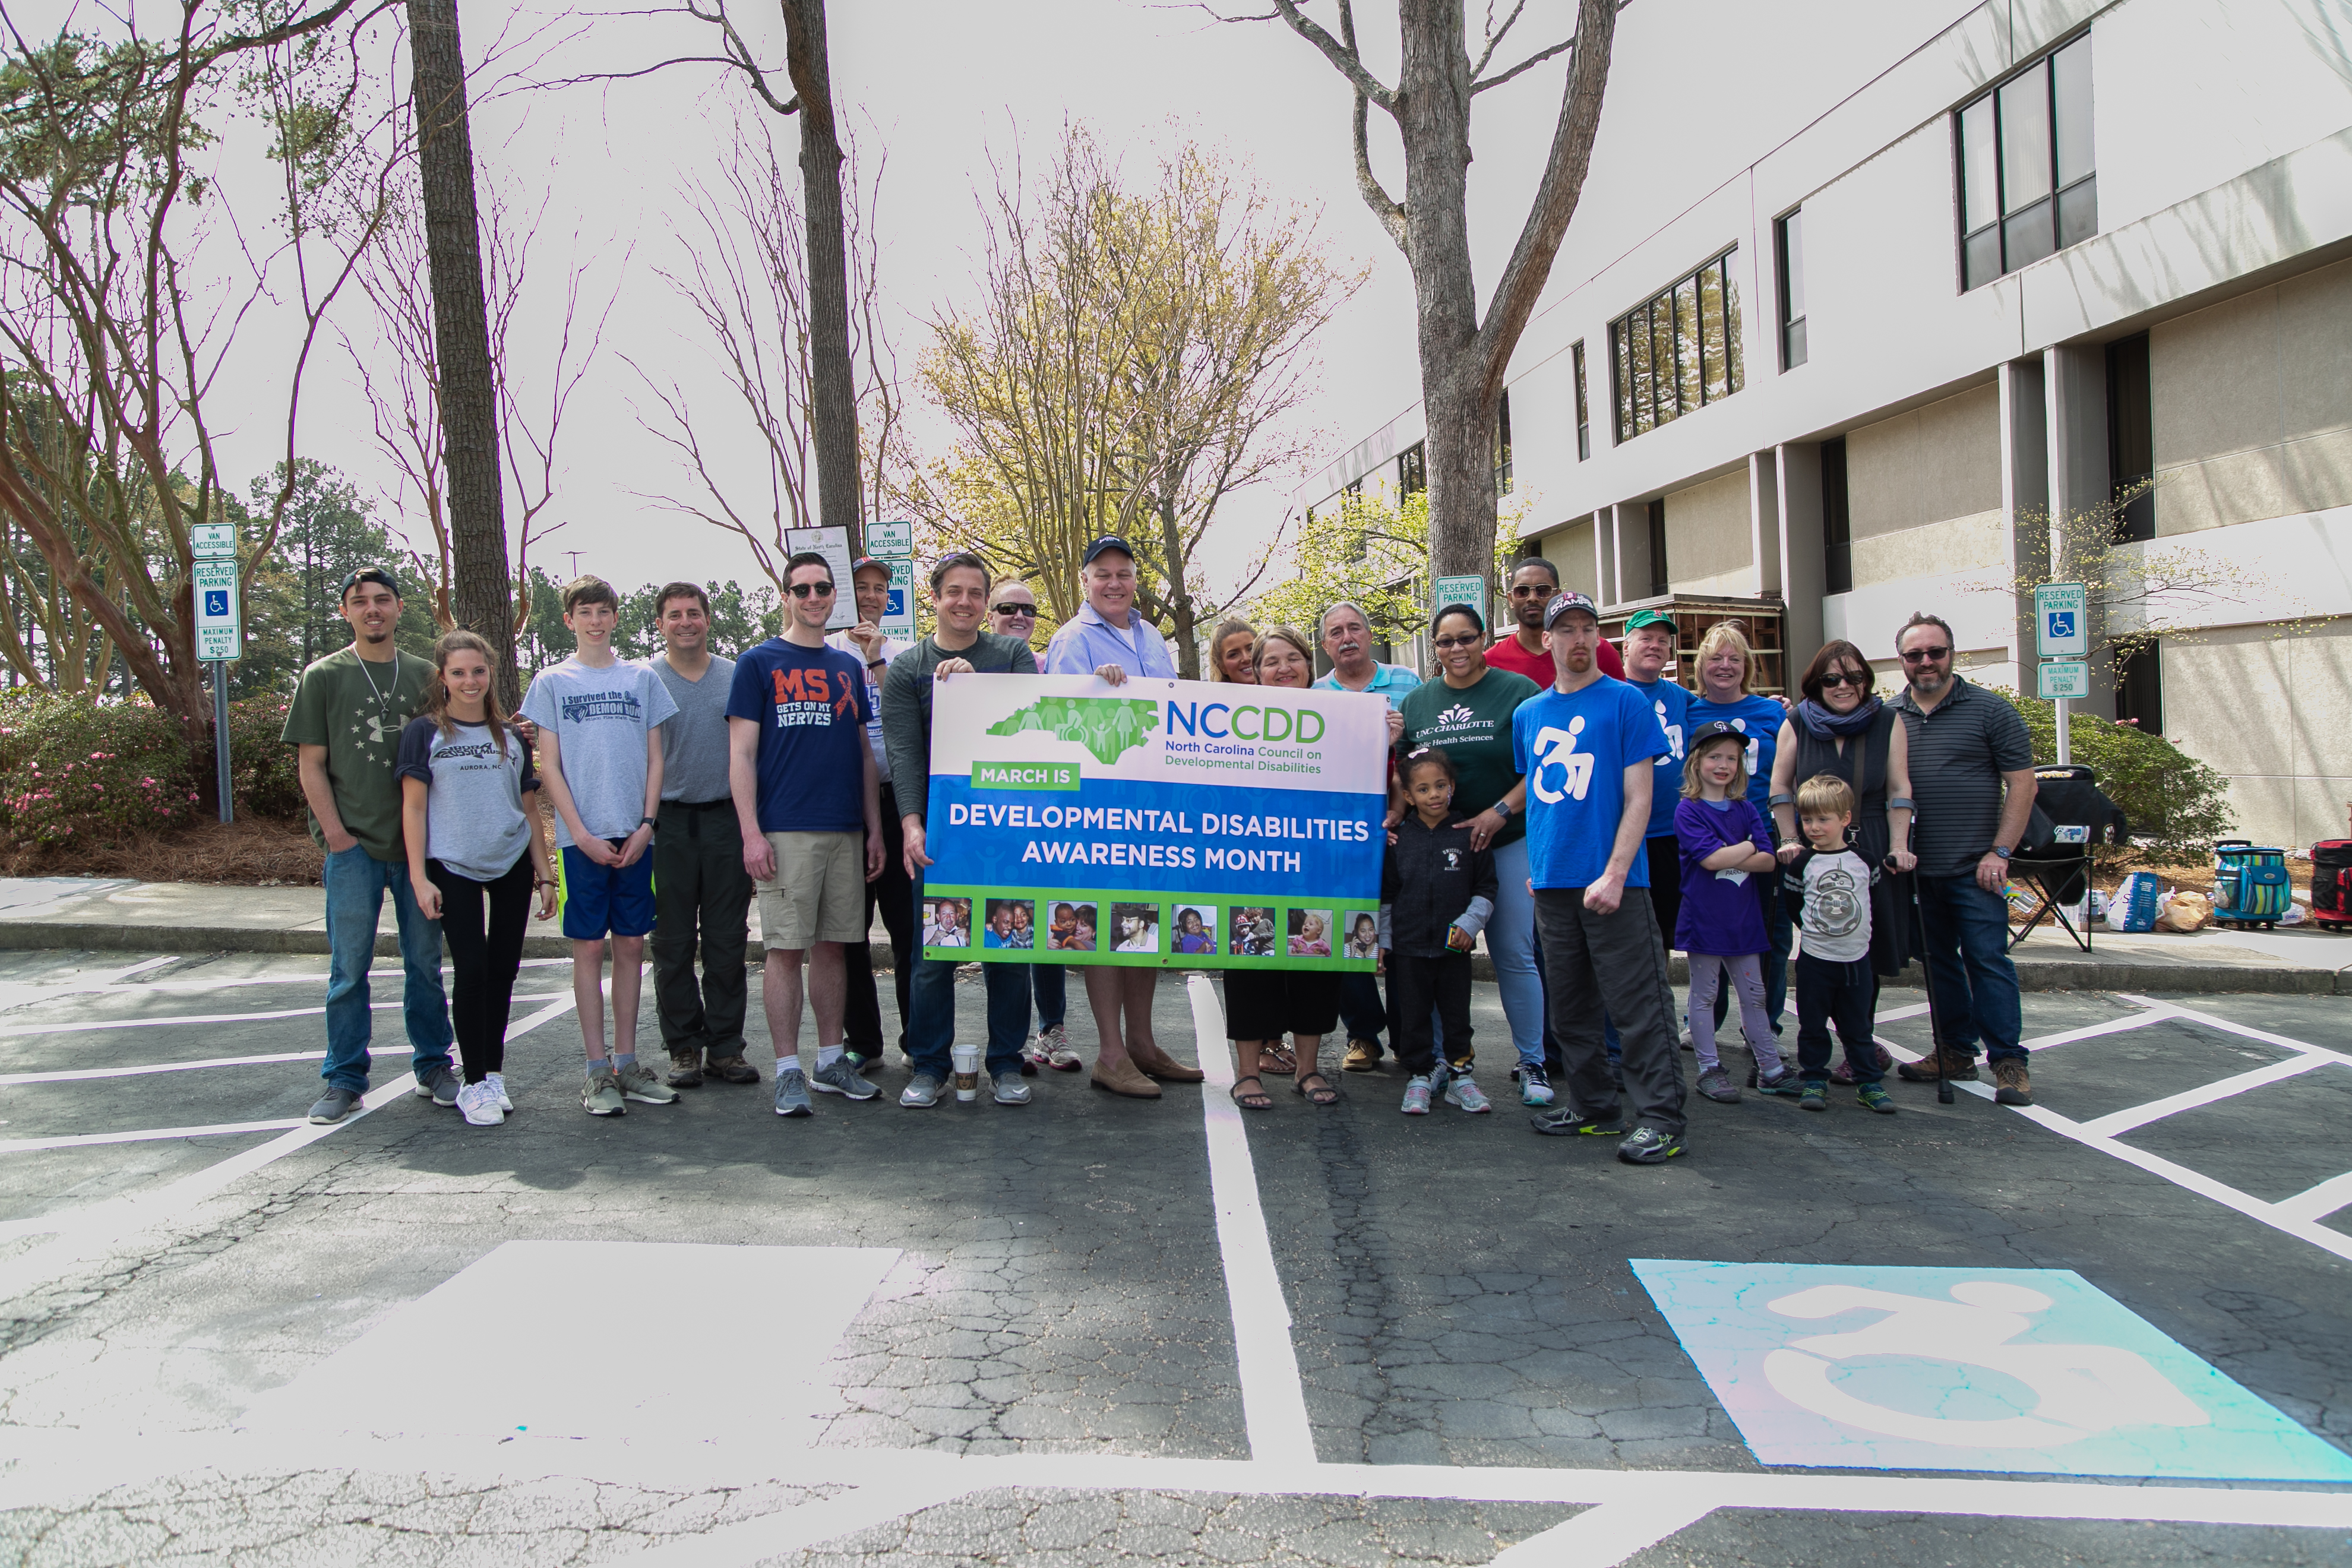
{"points": [[1550, 793]]}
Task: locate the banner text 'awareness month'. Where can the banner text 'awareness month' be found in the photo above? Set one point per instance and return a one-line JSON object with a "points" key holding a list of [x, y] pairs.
{"points": [[1075, 819]]}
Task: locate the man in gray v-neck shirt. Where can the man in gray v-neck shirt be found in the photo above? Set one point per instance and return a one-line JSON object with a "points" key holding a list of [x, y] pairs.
{"points": [[702, 895]]}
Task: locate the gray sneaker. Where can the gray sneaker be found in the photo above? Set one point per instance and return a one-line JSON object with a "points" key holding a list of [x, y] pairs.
{"points": [[792, 1092], [332, 1107], [922, 1092], [841, 1077], [1010, 1089], [1716, 1085], [438, 1085], [602, 1095], [641, 1083]]}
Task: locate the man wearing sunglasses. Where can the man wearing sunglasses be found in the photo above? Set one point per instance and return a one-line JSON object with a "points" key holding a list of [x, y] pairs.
{"points": [[1524, 651], [891, 890], [1972, 777]]}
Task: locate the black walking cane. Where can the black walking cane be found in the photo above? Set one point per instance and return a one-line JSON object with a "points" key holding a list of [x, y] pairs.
{"points": [[1928, 978]]}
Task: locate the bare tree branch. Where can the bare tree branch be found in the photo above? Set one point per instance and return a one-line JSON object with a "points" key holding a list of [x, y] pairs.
{"points": [[1529, 64], [1495, 37], [1343, 57]]}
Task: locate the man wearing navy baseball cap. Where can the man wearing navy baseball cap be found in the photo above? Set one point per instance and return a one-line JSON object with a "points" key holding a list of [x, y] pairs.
{"points": [[1588, 748]]}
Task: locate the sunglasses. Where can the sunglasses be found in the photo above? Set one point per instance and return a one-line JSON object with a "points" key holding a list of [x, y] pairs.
{"points": [[1858, 682], [1443, 644], [1534, 591], [1009, 609], [1925, 655], [803, 590]]}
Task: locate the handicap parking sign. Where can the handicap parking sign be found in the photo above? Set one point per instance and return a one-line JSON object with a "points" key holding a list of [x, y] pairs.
{"points": [[897, 602], [216, 601], [2061, 625], [2031, 1370]]}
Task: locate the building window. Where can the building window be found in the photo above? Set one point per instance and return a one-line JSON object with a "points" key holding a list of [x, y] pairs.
{"points": [[1837, 521], [1677, 350], [1658, 582], [2139, 689], [1413, 469], [1583, 415], [1503, 445], [2131, 439], [1789, 241], [2027, 186]]}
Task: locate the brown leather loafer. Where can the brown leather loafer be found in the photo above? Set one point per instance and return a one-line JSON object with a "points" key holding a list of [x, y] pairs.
{"points": [[1124, 1079], [1163, 1066]]}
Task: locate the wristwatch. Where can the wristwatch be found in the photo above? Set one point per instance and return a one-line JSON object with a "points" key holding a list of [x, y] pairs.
{"points": [[1502, 808], [1999, 851], [647, 822]]}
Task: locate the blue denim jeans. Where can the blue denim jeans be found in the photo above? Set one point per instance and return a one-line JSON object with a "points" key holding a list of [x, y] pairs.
{"points": [[1361, 1013], [930, 1032], [1511, 943], [1050, 986], [1965, 932], [356, 882]]}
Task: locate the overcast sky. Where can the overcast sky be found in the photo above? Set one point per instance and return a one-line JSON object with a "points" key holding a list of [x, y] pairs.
{"points": [[1699, 86]]}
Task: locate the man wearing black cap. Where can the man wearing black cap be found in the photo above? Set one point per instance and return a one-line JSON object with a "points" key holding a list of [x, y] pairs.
{"points": [[345, 723], [1109, 638], [1588, 748]]}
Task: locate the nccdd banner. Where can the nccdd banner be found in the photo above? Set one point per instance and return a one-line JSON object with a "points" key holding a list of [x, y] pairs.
{"points": [[1160, 822]]}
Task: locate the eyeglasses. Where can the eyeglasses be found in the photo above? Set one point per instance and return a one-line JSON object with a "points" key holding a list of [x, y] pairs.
{"points": [[1445, 644], [1534, 590], [1009, 609], [1838, 677], [803, 590], [1924, 654]]}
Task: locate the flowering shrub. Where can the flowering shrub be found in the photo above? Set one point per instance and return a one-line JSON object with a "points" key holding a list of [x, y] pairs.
{"points": [[71, 769]]}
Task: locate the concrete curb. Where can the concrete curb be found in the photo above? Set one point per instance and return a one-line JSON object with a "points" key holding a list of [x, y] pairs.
{"points": [[2034, 971]]}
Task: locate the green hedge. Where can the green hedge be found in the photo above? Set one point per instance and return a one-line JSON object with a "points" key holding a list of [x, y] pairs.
{"points": [[73, 768], [2176, 806]]}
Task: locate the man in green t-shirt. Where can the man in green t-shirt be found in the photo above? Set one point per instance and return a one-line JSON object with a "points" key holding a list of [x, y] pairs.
{"points": [[345, 722]]}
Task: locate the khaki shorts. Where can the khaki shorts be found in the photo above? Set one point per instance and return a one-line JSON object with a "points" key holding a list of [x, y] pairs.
{"points": [[819, 893]]}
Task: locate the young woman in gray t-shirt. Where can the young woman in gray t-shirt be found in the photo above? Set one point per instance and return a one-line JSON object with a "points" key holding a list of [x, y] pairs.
{"points": [[474, 854]]}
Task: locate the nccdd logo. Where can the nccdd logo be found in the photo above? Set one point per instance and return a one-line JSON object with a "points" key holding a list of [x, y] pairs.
{"points": [[1247, 723]]}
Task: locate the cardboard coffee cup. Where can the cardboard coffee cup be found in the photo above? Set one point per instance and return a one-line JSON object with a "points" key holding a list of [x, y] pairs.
{"points": [[967, 1070]]}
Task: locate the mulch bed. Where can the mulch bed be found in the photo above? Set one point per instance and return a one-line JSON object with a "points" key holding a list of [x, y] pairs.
{"points": [[247, 852]]}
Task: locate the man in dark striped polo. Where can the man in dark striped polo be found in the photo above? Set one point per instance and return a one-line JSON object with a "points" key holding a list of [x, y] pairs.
{"points": [[1972, 776]]}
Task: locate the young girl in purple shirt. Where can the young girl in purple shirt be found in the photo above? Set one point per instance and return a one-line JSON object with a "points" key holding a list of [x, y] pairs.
{"points": [[1724, 842]]}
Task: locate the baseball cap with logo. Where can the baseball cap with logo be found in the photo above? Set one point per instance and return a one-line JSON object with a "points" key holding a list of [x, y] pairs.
{"points": [[1563, 602], [1108, 542], [1713, 730], [1640, 618]]}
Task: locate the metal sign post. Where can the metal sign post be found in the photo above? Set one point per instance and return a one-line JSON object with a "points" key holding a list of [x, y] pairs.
{"points": [[2062, 631], [220, 636]]}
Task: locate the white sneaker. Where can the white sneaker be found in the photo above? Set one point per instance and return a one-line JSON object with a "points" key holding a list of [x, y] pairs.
{"points": [[479, 1102], [498, 1082]]}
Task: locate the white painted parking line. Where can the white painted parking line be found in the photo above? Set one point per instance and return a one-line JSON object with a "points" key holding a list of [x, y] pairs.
{"points": [[1274, 1399], [15, 1031], [74, 1075], [2115, 1124], [149, 1135], [2316, 1202], [300, 977], [1897, 1015], [1604, 1536]]}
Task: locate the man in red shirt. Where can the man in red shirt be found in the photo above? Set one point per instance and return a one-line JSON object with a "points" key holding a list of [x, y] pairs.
{"points": [[1533, 582]]}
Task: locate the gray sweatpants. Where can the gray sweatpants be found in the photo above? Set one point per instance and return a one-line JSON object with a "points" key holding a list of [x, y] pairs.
{"points": [[1617, 961]]}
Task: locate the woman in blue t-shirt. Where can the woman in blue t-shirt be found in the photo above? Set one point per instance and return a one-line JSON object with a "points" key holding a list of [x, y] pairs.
{"points": [[1727, 670]]}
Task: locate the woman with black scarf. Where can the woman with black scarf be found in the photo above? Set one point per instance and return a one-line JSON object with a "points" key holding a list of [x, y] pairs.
{"points": [[1842, 729]]}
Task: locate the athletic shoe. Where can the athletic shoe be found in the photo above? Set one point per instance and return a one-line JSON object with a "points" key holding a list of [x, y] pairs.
{"points": [[479, 1102], [1463, 1090], [1059, 1056], [332, 1107], [1788, 1085], [792, 1091], [1648, 1146], [922, 1092], [2016, 1084], [1566, 1124], [841, 1077], [686, 1069], [1036, 1053], [1874, 1097], [1534, 1085], [1416, 1095], [1010, 1089], [438, 1085], [1816, 1097], [1362, 1055], [603, 1096], [498, 1082], [731, 1069], [1716, 1085], [645, 1086]]}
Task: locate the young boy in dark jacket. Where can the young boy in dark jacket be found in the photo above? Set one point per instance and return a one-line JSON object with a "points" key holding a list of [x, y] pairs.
{"points": [[1827, 889], [1436, 895]]}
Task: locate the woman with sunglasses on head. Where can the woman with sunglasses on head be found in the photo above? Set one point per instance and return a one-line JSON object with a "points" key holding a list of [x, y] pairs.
{"points": [[1842, 728], [1270, 998], [1467, 712], [1233, 651]]}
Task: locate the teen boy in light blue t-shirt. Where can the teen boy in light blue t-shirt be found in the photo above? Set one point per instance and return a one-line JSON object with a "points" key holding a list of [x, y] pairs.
{"points": [[1588, 748]]}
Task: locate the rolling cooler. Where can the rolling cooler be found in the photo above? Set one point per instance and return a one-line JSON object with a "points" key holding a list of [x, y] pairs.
{"points": [[2249, 884], [2331, 883]]}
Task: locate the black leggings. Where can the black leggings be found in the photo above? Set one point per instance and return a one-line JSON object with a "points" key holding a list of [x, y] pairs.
{"points": [[484, 961]]}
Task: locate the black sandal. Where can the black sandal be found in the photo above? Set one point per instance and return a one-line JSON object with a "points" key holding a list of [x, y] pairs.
{"points": [[1278, 1060], [1258, 1100], [1326, 1095]]}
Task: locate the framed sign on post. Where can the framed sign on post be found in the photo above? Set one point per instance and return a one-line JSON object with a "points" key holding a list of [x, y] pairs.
{"points": [[1470, 591], [2061, 620], [220, 638], [833, 543]]}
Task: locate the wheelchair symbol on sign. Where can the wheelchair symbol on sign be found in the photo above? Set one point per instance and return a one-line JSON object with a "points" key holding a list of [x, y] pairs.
{"points": [[216, 602], [2061, 625], [2080, 1389]]}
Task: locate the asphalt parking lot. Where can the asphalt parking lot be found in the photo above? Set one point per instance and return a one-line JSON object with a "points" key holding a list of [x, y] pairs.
{"points": [[1089, 1330]]}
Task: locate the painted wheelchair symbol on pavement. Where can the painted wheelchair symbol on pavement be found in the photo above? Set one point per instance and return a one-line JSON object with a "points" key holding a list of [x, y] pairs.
{"points": [[2031, 1370]]}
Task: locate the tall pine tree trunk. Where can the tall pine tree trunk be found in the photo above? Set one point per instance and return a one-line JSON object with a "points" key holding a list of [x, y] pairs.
{"points": [[834, 390], [481, 594]]}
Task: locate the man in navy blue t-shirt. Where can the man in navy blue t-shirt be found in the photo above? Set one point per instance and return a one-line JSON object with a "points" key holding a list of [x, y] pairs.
{"points": [[1588, 748], [808, 798]]}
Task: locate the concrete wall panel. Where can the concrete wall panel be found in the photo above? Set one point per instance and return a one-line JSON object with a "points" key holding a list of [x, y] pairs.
{"points": [[2314, 318], [1961, 544], [1709, 530], [1934, 463]]}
